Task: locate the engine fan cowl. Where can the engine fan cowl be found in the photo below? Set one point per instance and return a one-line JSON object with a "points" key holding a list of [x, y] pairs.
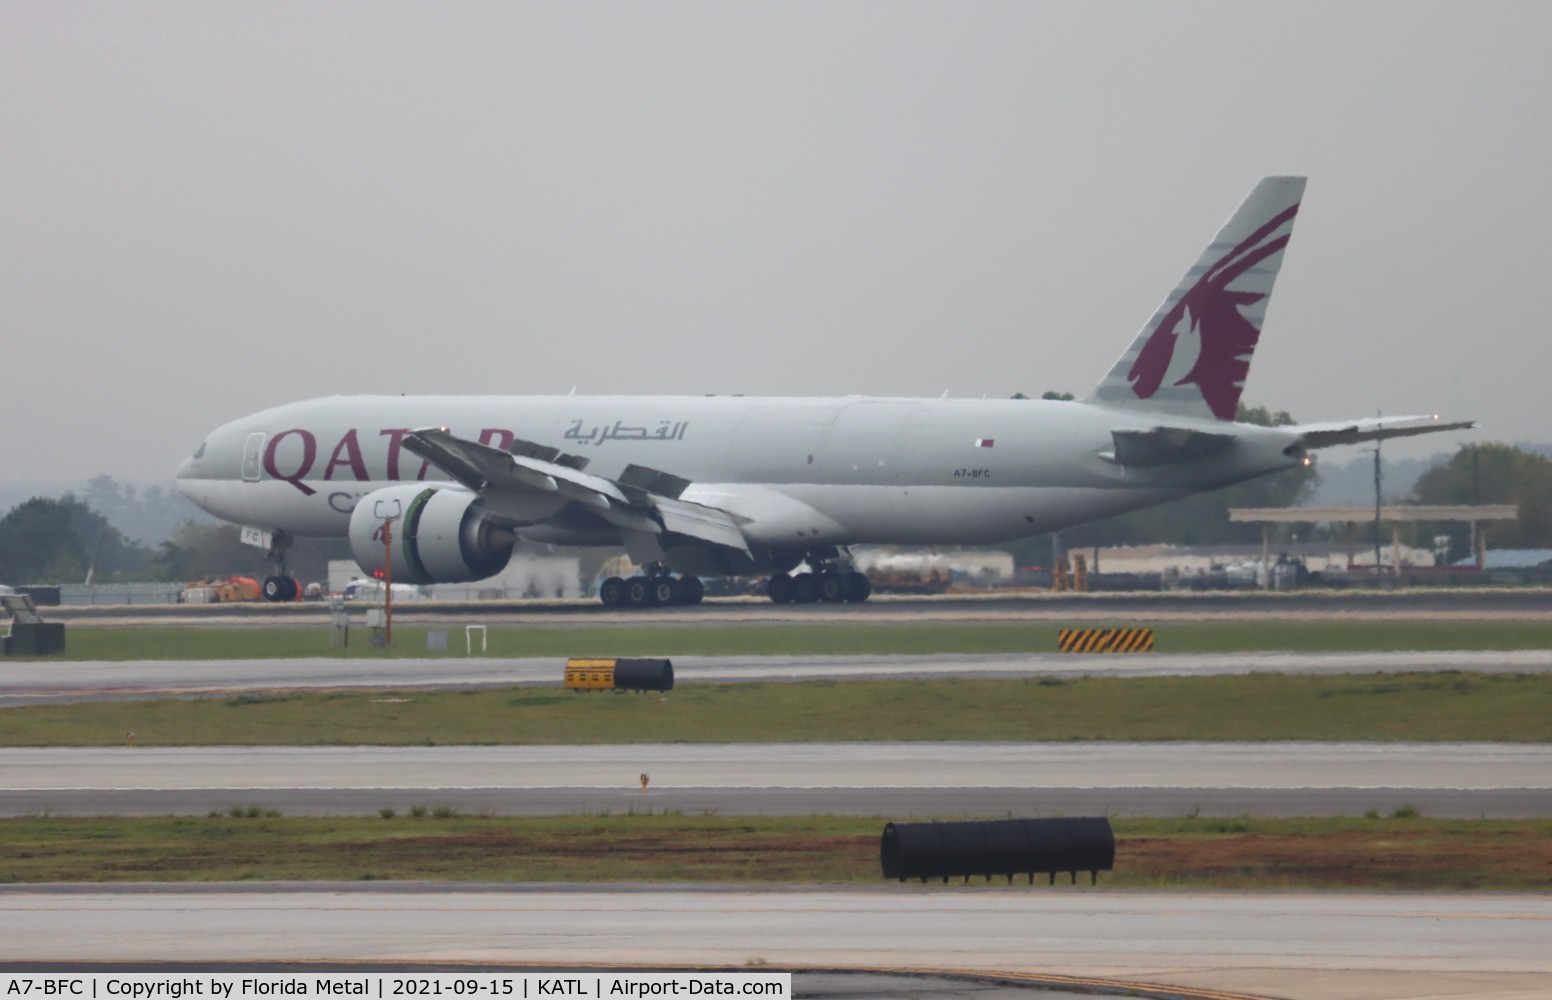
{"points": [[437, 536]]}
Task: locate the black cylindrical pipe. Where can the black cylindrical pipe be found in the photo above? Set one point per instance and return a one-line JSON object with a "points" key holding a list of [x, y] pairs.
{"points": [[643, 675], [997, 847]]}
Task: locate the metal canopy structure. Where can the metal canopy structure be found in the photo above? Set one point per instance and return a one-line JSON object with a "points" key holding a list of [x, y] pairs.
{"points": [[1470, 513]]}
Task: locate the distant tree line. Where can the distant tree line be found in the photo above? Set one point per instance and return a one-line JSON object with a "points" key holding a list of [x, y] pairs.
{"points": [[58, 541], [1493, 473], [149, 515]]}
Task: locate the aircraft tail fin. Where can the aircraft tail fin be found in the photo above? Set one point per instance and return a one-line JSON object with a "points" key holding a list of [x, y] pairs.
{"points": [[1192, 357]]}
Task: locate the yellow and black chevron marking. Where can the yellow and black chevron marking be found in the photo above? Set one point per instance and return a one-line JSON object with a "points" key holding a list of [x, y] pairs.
{"points": [[1106, 640]]}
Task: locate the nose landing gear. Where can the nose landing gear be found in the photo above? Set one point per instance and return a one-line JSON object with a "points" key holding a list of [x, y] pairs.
{"points": [[282, 586]]}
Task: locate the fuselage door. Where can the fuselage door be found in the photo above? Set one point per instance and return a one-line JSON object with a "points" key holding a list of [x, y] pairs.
{"points": [[251, 452]]}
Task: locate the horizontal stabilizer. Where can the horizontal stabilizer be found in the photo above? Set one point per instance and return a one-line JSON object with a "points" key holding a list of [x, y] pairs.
{"points": [[1165, 445], [1373, 429]]}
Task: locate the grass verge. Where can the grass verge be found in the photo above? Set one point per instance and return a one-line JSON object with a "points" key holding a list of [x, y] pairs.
{"points": [[1370, 707], [1375, 853], [87, 642]]}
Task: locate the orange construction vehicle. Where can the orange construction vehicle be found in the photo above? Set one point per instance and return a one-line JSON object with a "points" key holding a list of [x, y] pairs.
{"points": [[236, 588]]}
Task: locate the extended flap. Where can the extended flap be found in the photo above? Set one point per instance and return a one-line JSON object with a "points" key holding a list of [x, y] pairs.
{"points": [[708, 524]]}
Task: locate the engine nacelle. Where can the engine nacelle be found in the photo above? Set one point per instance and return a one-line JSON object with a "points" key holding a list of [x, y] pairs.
{"points": [[436, 537]]}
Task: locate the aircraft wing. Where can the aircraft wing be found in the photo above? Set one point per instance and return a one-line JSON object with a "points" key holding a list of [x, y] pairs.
{"points": [[643, 500], [1372, 429]]}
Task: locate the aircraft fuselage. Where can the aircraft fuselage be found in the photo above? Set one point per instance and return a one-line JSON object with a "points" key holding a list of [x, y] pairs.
{"points": [[797, 472]]}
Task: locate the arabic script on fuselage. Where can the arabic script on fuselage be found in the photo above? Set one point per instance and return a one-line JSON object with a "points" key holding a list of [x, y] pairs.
{"points": [[579, 433]]}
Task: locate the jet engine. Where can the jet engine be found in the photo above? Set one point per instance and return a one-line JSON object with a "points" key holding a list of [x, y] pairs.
{"points": [[435, 535]]}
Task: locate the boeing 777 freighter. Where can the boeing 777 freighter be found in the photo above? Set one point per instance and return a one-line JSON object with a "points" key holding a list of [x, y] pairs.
{"points": [[732, 485]]}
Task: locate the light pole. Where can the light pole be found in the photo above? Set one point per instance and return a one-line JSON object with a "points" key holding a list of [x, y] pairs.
{"points": [[1377, 505]]}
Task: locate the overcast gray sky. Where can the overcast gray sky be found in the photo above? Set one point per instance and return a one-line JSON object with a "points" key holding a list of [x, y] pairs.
{"points": [[210, 208]]}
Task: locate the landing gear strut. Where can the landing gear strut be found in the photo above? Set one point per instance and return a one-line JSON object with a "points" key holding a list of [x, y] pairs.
{"points": [[656, 587], [836, 580], [282, 586]]}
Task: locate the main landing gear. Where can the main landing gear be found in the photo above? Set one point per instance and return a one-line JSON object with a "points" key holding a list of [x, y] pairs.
{"points": [[656, 588], [832, 586]]}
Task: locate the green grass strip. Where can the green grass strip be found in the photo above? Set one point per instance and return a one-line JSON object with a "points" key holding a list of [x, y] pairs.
{"points": [[87, 642], [1378, 707], [1400, 852]]}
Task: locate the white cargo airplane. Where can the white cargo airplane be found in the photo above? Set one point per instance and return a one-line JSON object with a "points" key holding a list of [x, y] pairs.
{"points": [[725, 485]]}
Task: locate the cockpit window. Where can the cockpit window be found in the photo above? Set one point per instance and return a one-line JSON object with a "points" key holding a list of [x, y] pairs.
{"points": [[200, 451]]}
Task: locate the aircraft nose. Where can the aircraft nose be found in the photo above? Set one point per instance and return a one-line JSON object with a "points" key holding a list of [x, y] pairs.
{"points": [[188, 481]]}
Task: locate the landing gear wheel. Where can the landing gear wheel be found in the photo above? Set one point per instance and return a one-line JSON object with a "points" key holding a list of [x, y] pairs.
{"points": [[687, 590], [663, 590], [779, 589], [833, 587], [639, 592], [858, 587], [612, 592], [805, 588], [280, 588]]}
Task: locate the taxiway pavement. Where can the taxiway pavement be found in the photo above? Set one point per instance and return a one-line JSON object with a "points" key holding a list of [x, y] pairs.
{"points": [[28, 682], [1407, 604], [869, 779]]}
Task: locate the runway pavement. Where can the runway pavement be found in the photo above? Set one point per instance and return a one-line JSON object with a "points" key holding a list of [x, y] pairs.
{"points": [[39, 681], [1360, 945], [891, 779]]}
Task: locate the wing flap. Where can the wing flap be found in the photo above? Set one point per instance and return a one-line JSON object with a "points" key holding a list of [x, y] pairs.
{"points": [[709, 524]]}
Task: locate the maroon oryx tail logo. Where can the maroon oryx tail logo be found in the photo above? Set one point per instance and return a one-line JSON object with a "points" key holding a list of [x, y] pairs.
{"points": [[1210, 316]]}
